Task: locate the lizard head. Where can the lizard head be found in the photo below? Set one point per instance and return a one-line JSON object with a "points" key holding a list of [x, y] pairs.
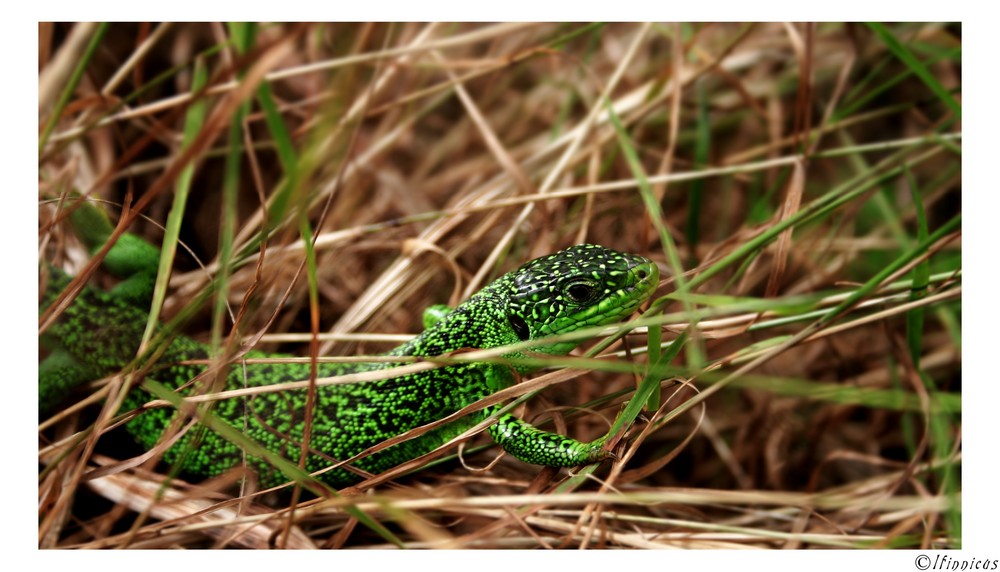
{"points": [[583, 286]]}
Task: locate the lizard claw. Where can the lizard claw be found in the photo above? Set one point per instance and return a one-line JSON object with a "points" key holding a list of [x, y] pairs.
{"points": [[598, 453]]}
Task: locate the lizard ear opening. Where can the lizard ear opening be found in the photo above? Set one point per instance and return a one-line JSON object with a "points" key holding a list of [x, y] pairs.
{"points": [[520, 327]]}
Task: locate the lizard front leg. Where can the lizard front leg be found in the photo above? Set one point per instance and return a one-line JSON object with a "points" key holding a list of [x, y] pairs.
{"points": [[532, 445]]}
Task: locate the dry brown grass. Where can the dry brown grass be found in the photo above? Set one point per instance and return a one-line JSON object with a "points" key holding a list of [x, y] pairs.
{"points": [[429, 158]]}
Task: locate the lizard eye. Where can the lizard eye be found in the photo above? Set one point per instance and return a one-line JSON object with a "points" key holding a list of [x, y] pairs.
{"points": [[580, 292], [520, 327]]}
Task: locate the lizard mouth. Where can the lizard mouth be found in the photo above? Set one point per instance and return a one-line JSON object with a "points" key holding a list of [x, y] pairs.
{"points": [[644, 277]]}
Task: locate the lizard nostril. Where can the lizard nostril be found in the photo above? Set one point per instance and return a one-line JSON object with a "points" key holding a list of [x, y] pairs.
{"points": [[641, 274]]}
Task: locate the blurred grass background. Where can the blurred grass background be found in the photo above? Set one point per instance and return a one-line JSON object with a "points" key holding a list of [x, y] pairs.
{"points": [[798, 184]]}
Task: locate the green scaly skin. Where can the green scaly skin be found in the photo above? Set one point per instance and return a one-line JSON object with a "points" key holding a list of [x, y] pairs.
{"points": [[578, 287]]}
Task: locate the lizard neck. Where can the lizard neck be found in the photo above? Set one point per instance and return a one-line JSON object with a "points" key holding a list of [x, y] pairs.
{"points": [[478, 323]]}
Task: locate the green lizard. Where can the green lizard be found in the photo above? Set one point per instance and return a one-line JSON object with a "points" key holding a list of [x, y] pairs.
{"points": [[98, 334]]}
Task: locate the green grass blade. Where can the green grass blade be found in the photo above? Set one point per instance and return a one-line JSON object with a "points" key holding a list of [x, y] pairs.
{"points": [[243, 38], [919, 69], [193, 122], [882, 399], [694, 354], [702, 146], [74, 80], [921, 278], [653, 341], [649, 384], [841, 195]]}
